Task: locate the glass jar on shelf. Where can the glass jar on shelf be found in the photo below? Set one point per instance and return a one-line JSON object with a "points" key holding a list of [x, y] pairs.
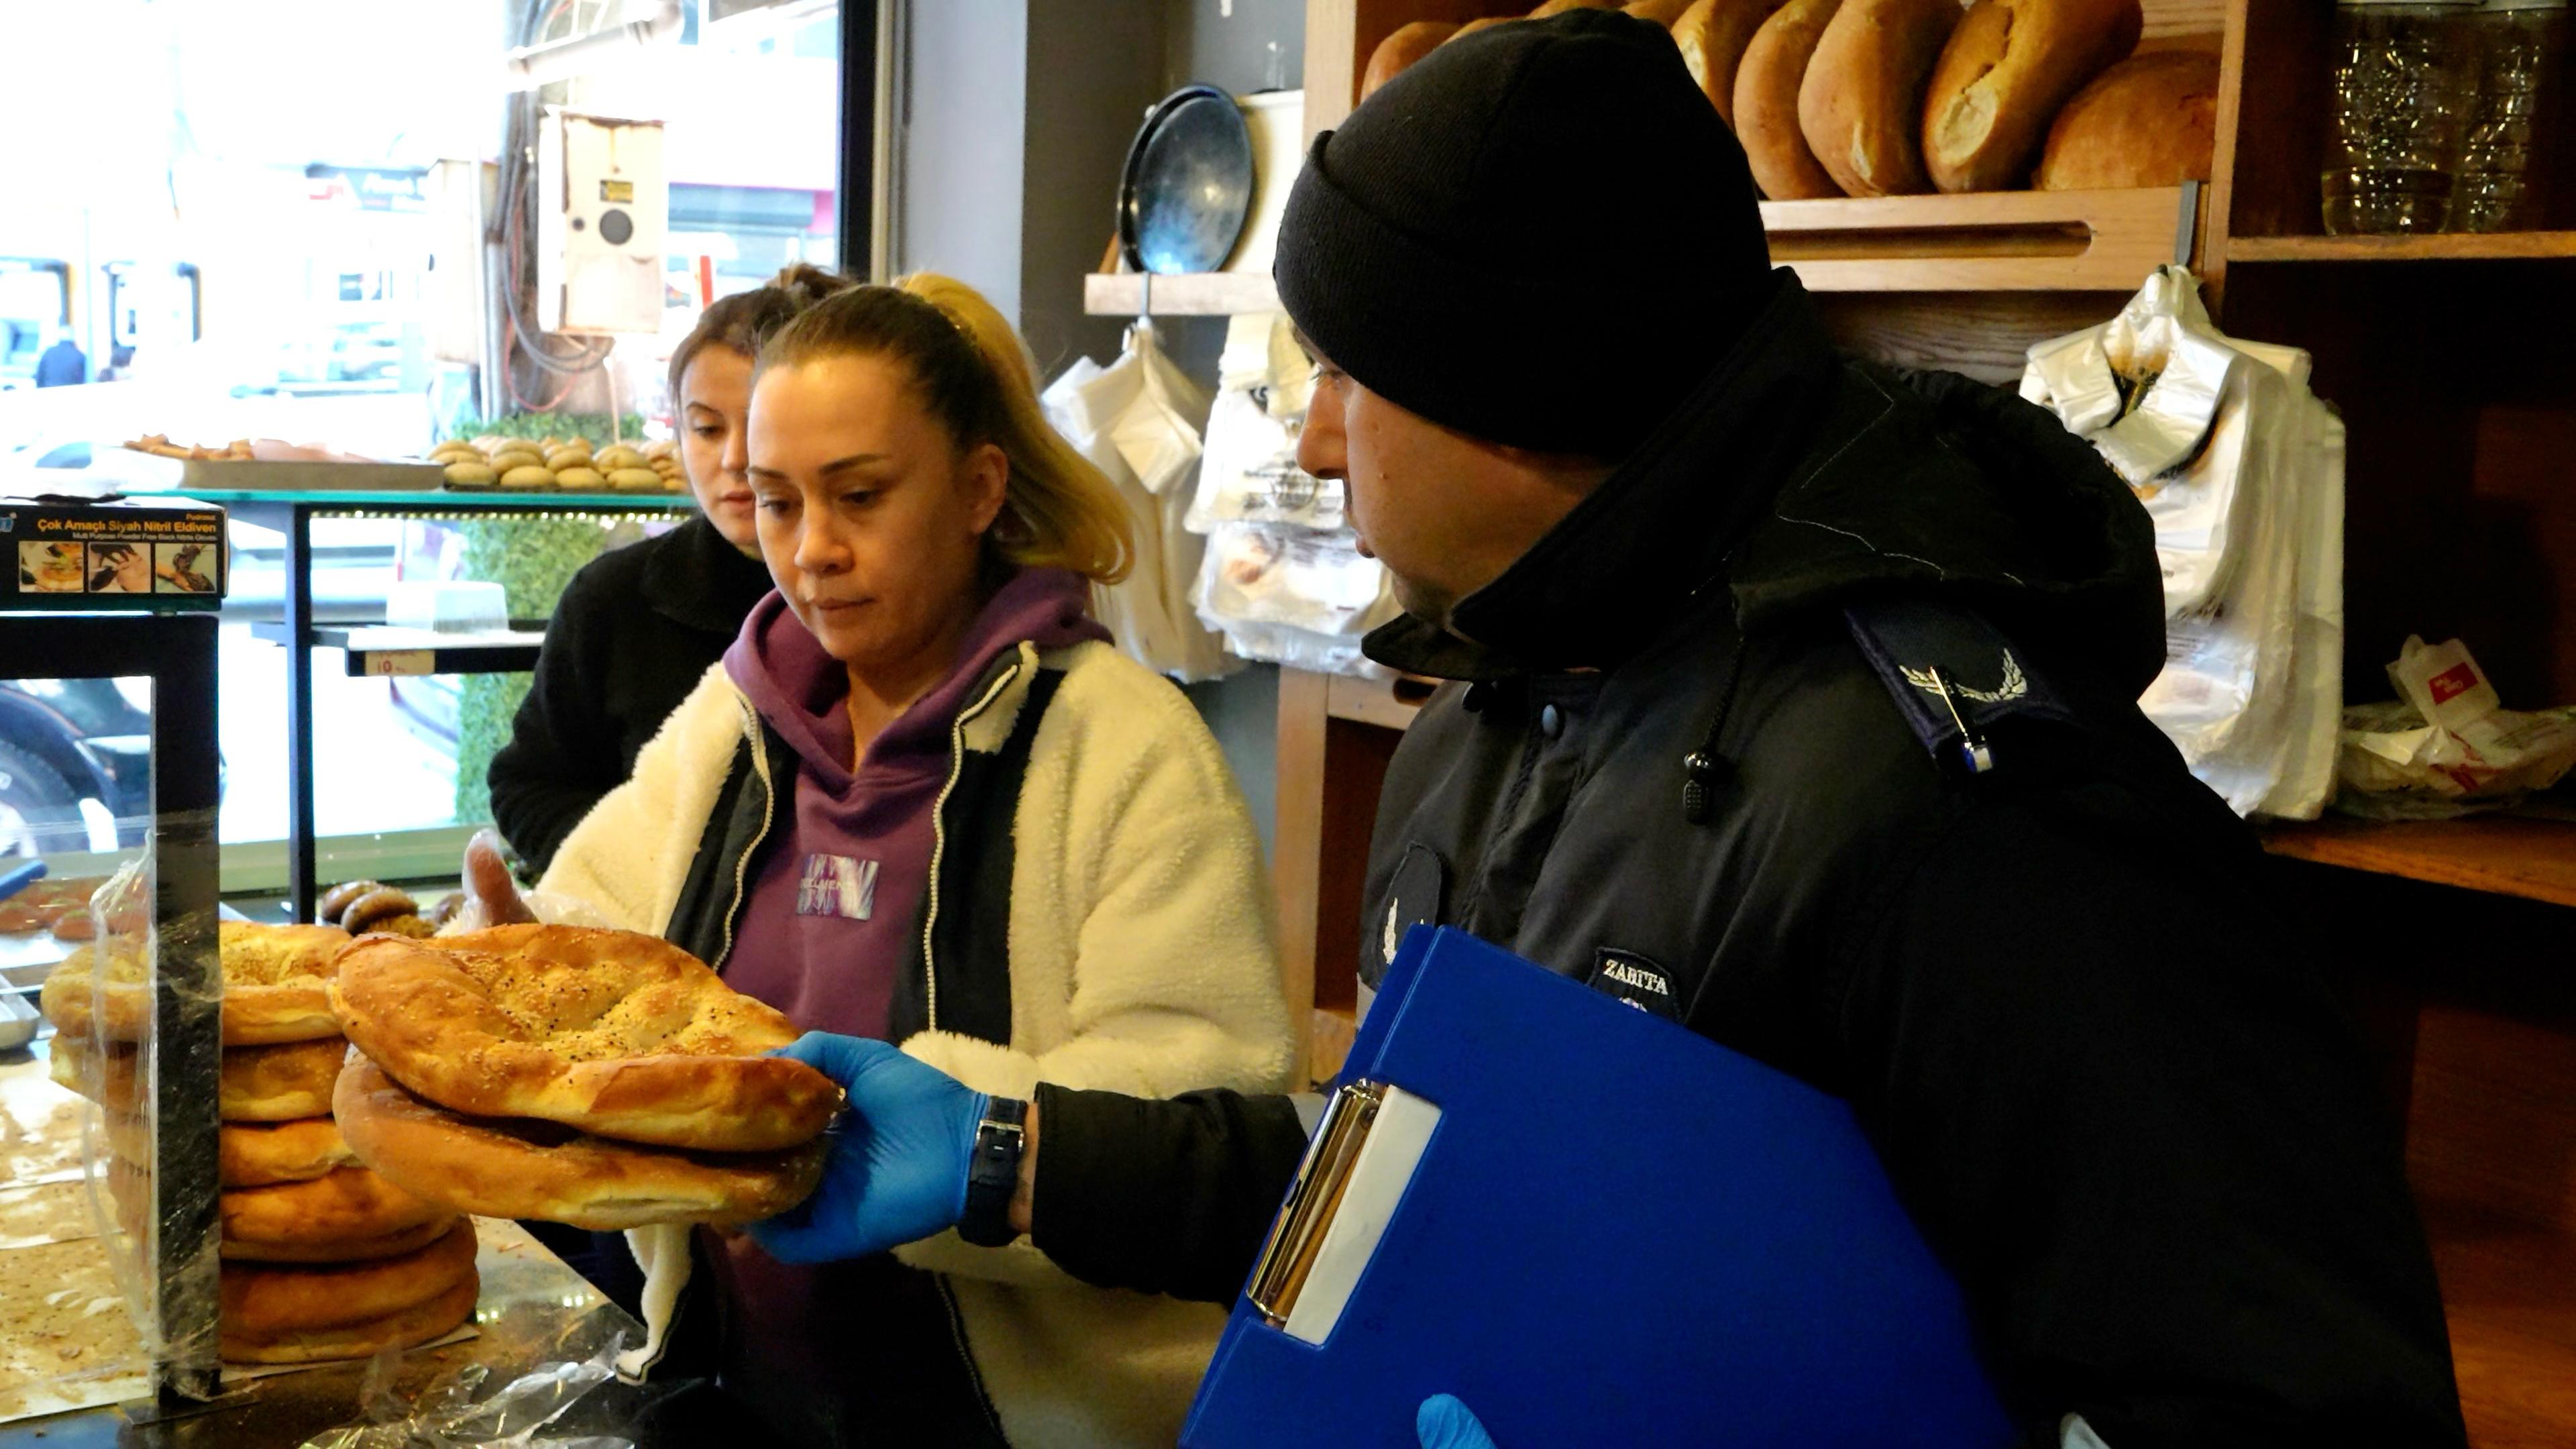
{"points": [[2512, 117], [2403, 76]]}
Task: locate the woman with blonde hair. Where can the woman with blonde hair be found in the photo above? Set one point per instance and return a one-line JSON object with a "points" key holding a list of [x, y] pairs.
{"points": [[922, 799]]}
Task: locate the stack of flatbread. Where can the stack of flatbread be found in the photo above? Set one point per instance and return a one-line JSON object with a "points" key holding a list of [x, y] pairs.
{"points": [[322, 1258], [599, 1078]]}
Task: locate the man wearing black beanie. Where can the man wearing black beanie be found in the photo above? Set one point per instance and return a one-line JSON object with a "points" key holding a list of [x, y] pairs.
{"points": [[1794, 699]]}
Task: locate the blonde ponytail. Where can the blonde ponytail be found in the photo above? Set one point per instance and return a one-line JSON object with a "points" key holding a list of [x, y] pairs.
{"points": [[976, 376]]}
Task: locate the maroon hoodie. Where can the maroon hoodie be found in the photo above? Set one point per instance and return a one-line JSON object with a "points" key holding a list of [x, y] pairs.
{"points": [[835, 903], [831, 918]]}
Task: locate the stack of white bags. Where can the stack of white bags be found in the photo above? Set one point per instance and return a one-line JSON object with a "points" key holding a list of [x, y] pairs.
{"points": [[1241, 554], [2241, 467], [1283, 578], [1139, 420]]}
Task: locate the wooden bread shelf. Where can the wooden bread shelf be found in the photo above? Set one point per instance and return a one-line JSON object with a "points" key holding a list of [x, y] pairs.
{"points": [[2463, 247], [2533, 859], [1179, 294], [1998, 241]]}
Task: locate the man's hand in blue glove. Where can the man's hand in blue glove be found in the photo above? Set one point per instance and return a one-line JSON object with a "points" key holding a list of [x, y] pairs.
{"points": [[897, 1169], [1444, 1423]]}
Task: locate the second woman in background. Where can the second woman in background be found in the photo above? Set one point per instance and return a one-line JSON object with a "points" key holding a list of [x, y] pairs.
{"points": [[638, 625], [924, 800]]}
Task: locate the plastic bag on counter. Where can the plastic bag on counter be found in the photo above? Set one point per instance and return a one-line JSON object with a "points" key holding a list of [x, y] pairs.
{"points": [[2446, 747], [1295, 648], [1294, 598], [1138, 421], [452, 1412], [2241, 469], [1250, 472], [1319, 582]]}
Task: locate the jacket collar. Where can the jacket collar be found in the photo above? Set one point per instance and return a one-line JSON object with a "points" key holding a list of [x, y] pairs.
{"points": [[698, 579], [1610, 576]]}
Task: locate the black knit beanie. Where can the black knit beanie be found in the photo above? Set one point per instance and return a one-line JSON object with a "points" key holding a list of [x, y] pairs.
{"points": [[1539, 235]]}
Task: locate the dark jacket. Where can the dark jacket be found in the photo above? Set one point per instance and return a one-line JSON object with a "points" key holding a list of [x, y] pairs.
{"points": [[633, 633], [2098, 1067]]}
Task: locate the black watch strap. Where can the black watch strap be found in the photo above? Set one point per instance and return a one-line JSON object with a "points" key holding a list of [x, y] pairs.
{"points": [[993, 1173]]}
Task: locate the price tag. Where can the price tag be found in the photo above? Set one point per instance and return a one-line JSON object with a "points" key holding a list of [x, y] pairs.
{"points": [[400, 661]]}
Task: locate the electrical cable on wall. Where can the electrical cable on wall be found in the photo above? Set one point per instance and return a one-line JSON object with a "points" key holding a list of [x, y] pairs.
{"points": [[508, 230]]}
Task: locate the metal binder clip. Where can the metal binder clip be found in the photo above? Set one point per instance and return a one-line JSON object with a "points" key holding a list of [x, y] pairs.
{"points": [[1972, 746]]}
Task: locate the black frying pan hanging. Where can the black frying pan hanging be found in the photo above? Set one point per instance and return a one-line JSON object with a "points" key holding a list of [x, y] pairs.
{"points": [[1188, 184]]}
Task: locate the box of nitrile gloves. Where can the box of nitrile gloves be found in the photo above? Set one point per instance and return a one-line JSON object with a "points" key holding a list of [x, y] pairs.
{"points": [[77, 554]]}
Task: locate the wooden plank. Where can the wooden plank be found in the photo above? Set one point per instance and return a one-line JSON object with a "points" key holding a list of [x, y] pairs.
{"points": [[2533, 859], [2491, 1153], [1180, 294], [1297, 839], [2475, 246], [1328, 1042], [2271, 131], [2167, 19], [1983, 335], [2027, 241], [1387, 703]]}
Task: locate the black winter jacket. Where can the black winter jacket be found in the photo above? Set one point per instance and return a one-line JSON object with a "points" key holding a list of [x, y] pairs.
{"points": [[2097, 1063], [633, 633]]}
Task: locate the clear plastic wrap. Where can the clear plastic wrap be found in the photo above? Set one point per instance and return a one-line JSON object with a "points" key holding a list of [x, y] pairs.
{"points": [[150, 1052], [454, 1411]]}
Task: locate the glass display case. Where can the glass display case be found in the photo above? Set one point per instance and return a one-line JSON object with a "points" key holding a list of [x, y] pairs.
{"points": [[108, 1223]]}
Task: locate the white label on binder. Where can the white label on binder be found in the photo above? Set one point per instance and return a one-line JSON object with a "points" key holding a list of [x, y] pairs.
{"points": [[1377, 1182]]}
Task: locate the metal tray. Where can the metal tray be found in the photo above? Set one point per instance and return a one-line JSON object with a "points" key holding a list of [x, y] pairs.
{"points": [[150, 471]]}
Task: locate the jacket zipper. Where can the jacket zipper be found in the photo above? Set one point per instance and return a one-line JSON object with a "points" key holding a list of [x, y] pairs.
{"points": [[768, 806], [966, 1356], [939, 831]]}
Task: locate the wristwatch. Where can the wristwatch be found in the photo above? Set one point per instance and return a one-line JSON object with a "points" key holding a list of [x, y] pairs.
{"points": [[993, 1173]]}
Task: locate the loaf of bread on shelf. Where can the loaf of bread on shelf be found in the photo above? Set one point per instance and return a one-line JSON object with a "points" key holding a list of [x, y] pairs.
{"points": [[2151, 120], [1766, 102], [1406, 45], [2007, 69], [1666, 13], [1861, 104], [1712, 35]]}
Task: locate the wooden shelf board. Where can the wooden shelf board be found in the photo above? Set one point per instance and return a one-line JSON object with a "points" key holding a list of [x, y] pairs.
{"points": [[1179, 294], [2534, 859], [1391, 703], [1999, 241], [2471, 247], [2505, 1290]]}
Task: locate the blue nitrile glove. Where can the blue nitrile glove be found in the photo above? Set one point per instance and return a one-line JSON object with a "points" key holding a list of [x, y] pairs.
{"points": [[897, 1169], [1444, 1423]]}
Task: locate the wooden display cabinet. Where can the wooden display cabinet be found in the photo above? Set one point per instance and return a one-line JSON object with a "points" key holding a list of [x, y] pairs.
{"points": [[2447, 358]]}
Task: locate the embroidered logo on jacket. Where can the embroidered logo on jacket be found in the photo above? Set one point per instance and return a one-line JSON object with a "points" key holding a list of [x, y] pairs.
{"points": [[837, 885], [1636, 980], [2015, 684]]}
